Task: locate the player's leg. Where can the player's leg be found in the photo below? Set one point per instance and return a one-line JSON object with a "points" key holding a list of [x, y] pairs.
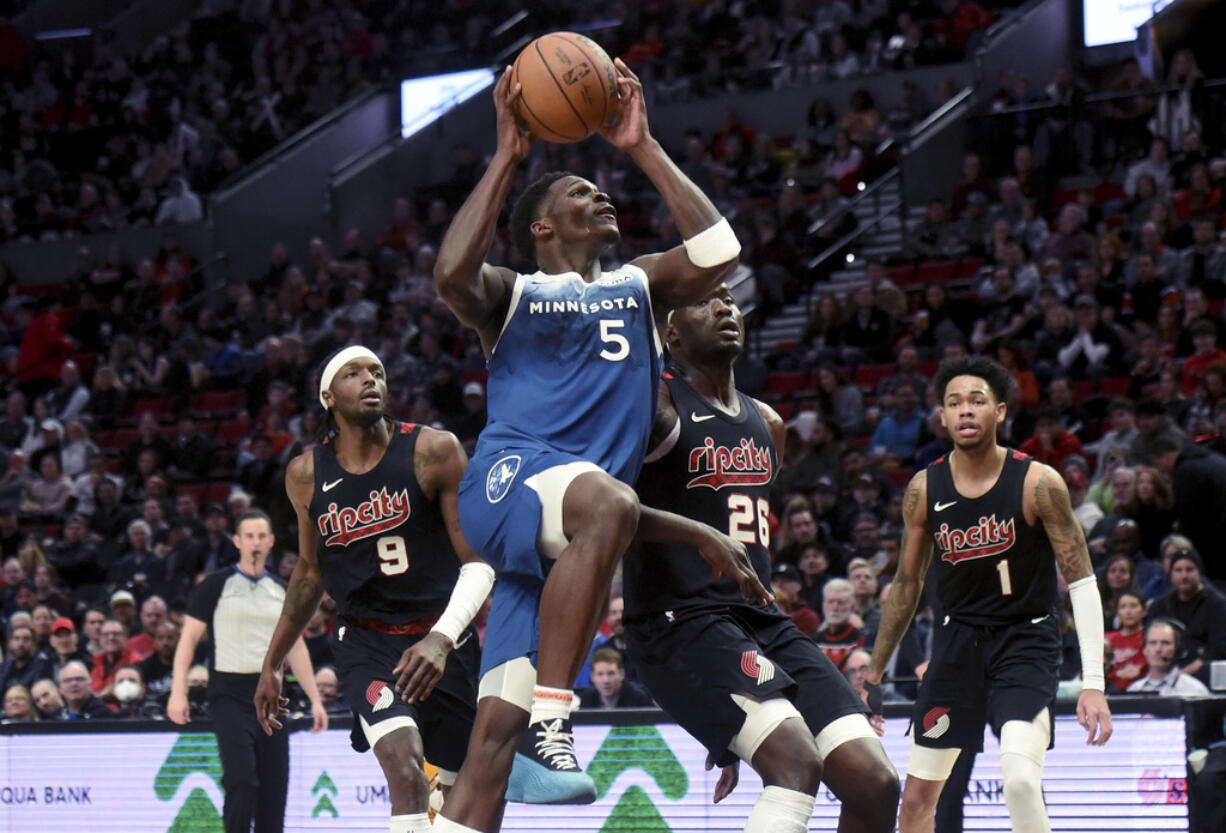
{"points": [[780, 747], [594, 517], [272, 763], [852, 761], [1023, 745], [240, 778], [476, 802], [927, 771], [400, 755]]}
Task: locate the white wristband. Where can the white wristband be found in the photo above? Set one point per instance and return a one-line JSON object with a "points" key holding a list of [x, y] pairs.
{"points": [[471, 588], [1088, 619], [713, 246]]}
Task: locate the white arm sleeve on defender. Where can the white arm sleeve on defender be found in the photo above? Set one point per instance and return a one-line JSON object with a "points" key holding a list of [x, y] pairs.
{"points": [[1088, 619], [471, 588], [713, 246]]}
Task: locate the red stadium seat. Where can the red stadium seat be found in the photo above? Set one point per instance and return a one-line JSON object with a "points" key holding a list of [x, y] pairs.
{"points": [[901, 275], [1108, 191], [969, 267], [786, 384], [1083, 389], [232, 431], [785, 409], [788, 346], [216, 403], [479, 374], [217, 492], [868, 375], [1114, 386], [900, 477], [196, 490], [938, 270], [1062, 197]]}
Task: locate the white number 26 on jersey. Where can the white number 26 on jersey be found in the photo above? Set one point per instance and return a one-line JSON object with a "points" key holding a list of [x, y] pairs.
{"points": [[393, 555]]}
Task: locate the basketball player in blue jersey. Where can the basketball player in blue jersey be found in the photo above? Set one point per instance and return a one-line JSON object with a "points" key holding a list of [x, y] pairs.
{"points": [[574, 362], [740, 678], [379, 531], [1001, 523]]}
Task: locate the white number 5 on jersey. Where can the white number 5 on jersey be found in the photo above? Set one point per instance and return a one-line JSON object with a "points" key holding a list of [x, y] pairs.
{"points": [[621, 347]]}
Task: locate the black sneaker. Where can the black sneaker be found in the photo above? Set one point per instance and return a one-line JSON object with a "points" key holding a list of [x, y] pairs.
{"points": [[546, 770]]}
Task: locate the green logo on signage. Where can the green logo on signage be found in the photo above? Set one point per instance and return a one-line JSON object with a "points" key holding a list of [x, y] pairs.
{"points": [[637, 747], [324, 784], [191, 753]]}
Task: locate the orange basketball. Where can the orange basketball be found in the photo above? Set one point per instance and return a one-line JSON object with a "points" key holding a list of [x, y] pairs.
{"points": [[569, 87]]}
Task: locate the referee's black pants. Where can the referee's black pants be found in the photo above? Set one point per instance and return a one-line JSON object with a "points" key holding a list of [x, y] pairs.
{"points": [[255, 767]]}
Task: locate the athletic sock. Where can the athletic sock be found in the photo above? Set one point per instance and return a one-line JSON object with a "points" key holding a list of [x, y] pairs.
{"points": [[780, 810], [410, 823], [550, 703]]}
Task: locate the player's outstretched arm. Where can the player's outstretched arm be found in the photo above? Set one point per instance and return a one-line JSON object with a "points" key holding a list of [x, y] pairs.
{"points": [[685, 274], [726, 556], [306, 588], [471, 288], [1047, 497], [439, 462], [915, 555]]}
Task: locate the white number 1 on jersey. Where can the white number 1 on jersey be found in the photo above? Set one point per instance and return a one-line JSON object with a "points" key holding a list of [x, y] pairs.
{"points": [[1006, 583]]}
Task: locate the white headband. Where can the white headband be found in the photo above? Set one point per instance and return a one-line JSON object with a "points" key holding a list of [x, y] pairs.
{"points": [[341, 359]]}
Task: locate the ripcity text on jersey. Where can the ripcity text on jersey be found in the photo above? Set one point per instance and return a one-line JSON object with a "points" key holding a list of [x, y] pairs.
{"points": [[719, 472], [575, 368], [384, 551]]}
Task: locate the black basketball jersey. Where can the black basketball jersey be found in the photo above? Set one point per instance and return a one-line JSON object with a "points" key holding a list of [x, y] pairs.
{"points": [[991, 566], [383, 547], [718, 471]]}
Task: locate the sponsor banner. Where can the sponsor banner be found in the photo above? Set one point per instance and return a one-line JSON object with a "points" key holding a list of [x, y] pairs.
{"points": [[650, 779]]}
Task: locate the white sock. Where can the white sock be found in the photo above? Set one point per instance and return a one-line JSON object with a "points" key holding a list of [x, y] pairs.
{"points": [[414, 823], [550, 703], [446, 825], [779, 810]]}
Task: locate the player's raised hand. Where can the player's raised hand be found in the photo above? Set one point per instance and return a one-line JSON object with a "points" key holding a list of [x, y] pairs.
{"points": [[270, 706], [512, 138], [728, 558], [728, 779], [629, 129], [1095, 716], [421, 667]]}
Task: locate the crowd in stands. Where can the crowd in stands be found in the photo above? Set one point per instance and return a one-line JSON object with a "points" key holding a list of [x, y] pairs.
{"points": [[98, 140], [145, 412]]}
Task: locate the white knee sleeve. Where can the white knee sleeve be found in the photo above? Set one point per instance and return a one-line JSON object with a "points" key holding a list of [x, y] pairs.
{"points": [[931, 764], [841, 730], [761, 718], [1023, 746], [415, 823], [779, 810]]}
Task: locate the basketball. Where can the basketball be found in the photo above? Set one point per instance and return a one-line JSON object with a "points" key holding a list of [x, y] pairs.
{"points": [[569, 87]]}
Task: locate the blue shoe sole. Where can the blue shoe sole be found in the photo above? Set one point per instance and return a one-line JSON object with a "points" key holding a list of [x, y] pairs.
{"points": [[531, 783]]}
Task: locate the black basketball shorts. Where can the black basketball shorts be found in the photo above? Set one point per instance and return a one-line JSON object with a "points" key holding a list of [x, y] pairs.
{"points": [[693, 662], [364, 662], [985, 675]]}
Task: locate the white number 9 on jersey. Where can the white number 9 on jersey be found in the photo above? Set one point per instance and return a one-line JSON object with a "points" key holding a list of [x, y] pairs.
{"points": [[393, 555]]}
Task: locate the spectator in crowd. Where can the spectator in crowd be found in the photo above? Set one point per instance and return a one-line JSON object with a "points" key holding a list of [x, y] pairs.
{"points": [[1203, 264], [864, 602], [610, 688], [47, 700], [192, 454], [1155, 428], [140, 569], [48, 495], [839, 635], [1073, 470], [839, 398], [152, 614], [114, 653], [1120, 434], [1198, 476], [130, 696], [789, 581], [80, 700], [329, 690], [1206, 353], [898, 434], [19, 705], [1127, 642], [867, 332], [157, 669], [24, 664], [1162, 649], [616, 640], [65, 644], [70, 400], [150, 438], [1051, 444], [1200, 608], [854, 668], [1156, 166]]}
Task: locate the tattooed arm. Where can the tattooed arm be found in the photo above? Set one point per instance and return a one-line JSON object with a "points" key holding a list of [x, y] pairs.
{"points": [[306, 588], [1047, 498], [915, 550]]}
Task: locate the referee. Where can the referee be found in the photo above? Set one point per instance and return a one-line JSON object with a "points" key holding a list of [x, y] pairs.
{"points": [[241, 604]]}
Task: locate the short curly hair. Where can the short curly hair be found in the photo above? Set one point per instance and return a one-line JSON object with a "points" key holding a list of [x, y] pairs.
{"points": [[527, 211], [989, 370]]}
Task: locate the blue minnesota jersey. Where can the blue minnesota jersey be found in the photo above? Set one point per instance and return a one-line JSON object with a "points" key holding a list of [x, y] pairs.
{"points": [[576, 369]]}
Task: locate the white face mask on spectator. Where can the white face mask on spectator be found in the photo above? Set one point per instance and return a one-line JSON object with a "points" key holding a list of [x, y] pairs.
{"points": [[127, 691]]}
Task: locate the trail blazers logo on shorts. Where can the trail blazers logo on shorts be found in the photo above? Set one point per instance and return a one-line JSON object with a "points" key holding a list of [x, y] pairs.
{"points": [[757, 668], [341, 527], [936, 723], [379, 695], [501, 476], [719, 466], [983, 540]]}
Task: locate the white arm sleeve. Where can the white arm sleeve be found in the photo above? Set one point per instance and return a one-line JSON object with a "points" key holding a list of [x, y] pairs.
{"points": [[471, 588], [713, 246], [1088, 618]]}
